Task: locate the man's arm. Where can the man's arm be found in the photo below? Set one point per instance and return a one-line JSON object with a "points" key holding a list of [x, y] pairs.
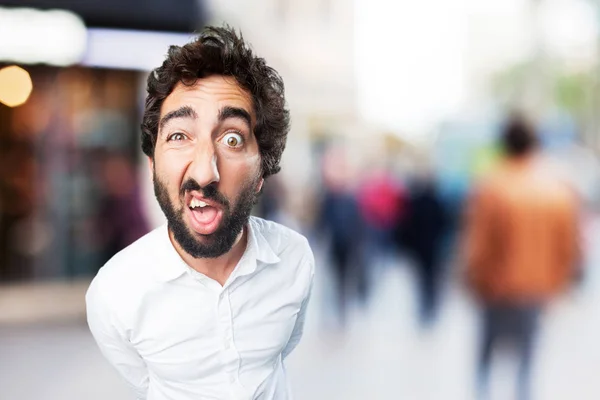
{"points": [[568, 243], [113, 345], [477, 237], [299, 326]]}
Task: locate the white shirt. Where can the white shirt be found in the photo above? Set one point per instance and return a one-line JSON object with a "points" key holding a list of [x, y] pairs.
{"points": [[176, 334]]}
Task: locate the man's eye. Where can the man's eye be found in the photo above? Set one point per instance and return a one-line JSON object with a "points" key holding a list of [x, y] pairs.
{"points": [[233, 140], [176, 137]]}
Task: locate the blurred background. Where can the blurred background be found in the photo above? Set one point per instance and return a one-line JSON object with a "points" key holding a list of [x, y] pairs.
{"points": [[396, 107]]}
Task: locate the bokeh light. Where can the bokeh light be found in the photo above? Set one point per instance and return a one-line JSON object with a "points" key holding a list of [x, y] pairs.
{"points": [[15, 86]]}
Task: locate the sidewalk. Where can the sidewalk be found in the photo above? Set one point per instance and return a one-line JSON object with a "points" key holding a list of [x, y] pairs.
{"points": [[32, 303]]}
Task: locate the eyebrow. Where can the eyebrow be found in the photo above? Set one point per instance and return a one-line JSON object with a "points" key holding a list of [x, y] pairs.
{"points": [[181, 112], [235, 112]]}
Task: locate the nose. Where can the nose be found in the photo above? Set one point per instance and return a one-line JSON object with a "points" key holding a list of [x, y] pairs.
{"points": [[204, 168]]}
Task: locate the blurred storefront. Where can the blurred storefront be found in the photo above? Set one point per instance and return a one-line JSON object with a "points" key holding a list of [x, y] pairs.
{"points": [[70, 196]]}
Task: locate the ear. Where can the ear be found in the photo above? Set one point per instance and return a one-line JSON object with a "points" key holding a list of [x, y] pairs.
{"points": [[260, 185], [151, 165]]}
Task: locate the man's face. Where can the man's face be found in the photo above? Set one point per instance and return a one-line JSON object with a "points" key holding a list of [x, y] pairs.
{"points": [[207, 164]]}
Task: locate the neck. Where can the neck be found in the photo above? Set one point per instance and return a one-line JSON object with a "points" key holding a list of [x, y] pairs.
{"points": [[522, 158], [218, 268]]}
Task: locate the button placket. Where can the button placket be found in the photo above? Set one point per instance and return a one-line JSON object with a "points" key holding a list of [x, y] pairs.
{"points": [[230, 355]]}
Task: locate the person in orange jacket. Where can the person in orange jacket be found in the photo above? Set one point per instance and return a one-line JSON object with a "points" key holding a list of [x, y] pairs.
{"points": [[521, 247]]}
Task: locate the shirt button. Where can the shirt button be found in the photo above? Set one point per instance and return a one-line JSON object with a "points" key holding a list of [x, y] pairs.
{"points": [[232, 379]]}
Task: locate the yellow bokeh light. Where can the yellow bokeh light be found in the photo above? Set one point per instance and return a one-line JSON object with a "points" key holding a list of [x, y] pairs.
{"points": [[15, 86]]}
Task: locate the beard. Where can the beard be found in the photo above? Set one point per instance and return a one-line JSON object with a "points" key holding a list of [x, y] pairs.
{"points": [[234, 219]]}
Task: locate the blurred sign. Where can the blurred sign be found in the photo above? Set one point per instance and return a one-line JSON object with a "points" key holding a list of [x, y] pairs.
{"points": [[163, 15], [29, 36]]}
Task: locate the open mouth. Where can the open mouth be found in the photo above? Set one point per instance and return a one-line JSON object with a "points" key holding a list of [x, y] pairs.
{"points": [[204, 215]]}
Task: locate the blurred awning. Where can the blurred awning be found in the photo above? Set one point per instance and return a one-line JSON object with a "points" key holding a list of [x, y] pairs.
{"points": [[155, 15]]}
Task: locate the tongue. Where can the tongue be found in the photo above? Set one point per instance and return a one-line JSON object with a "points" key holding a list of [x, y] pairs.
{"points": [[205, 215]]}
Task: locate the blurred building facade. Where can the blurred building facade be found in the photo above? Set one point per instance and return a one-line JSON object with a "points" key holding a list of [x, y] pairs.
{"points": [[70, 193]]}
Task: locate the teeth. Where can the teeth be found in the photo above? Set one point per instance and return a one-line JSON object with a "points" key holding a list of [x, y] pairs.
{"points": [[197, 203]]}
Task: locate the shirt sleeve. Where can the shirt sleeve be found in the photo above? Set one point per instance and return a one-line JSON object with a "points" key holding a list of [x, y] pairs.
{"points": [[115, 347], [299, 326]]}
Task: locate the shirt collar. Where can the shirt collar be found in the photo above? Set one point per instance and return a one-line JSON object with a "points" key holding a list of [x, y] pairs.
{"points": [[171, 265], [258, 249]]}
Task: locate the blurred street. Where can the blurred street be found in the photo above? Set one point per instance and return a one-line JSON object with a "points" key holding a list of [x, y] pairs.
{"points": [[443, 162], [382, 354]]}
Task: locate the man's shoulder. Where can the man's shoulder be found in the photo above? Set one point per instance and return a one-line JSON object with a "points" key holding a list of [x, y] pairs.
{"points": [[295, 259], [279, 237], [133, 262]]}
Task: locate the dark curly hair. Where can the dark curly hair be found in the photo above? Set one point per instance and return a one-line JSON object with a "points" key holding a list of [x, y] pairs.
{"points": [[221, 51]]}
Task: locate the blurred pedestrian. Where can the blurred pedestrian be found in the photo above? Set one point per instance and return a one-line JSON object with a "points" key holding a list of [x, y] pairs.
{"points": [[340, 222], [421, 234], [211, 304], [521, 248], [381, 200]]}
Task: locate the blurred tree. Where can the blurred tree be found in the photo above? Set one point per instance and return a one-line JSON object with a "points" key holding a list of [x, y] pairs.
{"points": [[571, 91]]}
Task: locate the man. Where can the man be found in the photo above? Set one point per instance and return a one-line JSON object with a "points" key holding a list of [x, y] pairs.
{"points": [[521, 247], [209, 305]]}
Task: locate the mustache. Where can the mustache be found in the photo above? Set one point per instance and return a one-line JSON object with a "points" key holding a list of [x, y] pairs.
{"points": [[209, 192]]}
